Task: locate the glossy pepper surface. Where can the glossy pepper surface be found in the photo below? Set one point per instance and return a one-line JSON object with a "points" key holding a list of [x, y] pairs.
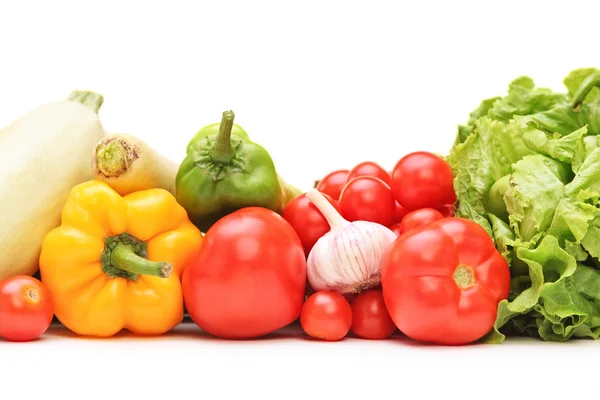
{"points": [[115, 262], [226, 171]]}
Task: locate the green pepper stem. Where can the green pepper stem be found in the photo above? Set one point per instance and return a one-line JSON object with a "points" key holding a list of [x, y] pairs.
{"points": [[123, 257], [223, 152], [332, 216], [588, 84], [91, 100]]}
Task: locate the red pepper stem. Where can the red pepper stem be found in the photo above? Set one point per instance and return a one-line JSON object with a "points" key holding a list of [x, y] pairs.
{"points": [[223, 152], [332, 216], [584, 89]]}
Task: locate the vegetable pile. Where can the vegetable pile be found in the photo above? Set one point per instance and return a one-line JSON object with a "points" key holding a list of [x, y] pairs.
{"points": [[499, 237]]}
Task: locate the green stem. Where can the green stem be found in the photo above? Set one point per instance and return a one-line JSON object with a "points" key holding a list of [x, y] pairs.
{"points": [[91, 100], [588, 84], [113, 157], [223, 152], [123, 257]]}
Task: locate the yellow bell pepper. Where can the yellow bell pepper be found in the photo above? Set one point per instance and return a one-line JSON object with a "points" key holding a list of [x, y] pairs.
{"points": [[116, 262]]}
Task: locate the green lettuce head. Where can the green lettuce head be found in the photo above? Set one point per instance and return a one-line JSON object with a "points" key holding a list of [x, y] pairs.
{"points": [[527, 169]]}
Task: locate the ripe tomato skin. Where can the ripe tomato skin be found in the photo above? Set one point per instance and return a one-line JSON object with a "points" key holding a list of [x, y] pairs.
{"points": [[249, 277], [370, 317], [26, 309], [326, 315], [368, 199], [369, 168], [399, 214], [417, 218], [425, 299], [333, 183], [422, 180], [447, 210], [307, 220]]}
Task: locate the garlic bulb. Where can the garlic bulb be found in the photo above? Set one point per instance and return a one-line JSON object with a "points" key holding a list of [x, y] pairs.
{"points": [[348, 258]]}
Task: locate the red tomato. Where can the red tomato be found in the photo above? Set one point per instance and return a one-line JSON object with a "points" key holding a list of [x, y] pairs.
{"points": [[417, 218], [368, 199], [369, 168], [400, 213], [26, 308], [333, 183], [447, 210], [249, 277], [396, 229], [422, 180], [370, 317], [326, 315], [307, 220], [442, 282]]}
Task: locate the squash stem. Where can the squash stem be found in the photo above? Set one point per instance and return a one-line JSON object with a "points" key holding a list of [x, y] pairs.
{"points": [[113, 157], [91, 100]]}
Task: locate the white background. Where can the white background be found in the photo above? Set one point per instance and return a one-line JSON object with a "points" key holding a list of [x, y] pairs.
{"points": [[322, 85]]}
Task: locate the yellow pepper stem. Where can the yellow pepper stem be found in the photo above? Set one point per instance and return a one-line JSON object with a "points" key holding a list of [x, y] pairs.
{"points": [[123, 257]]}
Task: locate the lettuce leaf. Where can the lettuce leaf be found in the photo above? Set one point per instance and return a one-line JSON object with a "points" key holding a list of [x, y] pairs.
{"points": [[524, 99], [486, 156]]}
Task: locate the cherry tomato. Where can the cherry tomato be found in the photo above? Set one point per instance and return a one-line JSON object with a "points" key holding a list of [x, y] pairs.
{"points": [[368, 199], [249, 277], [442, 282], [26, 308], [447, 210], [422, 180], [307, 220], [400, 213], [396, 229], [326, 315], [370, 317], [333, 183], [417, 218], [369, 168]]}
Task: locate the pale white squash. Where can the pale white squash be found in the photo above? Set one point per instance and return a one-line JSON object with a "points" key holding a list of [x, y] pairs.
{"points": [[128, 164], [43, 155]]}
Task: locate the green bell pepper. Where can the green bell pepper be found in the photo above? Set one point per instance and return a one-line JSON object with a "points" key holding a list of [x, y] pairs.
{"points": [[224, 171]]}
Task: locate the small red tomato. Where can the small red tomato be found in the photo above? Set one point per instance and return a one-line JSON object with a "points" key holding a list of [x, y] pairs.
{"points": [[370, 317], [26, 308], [396, 229], [422, 180], [368, 199], [417, 218], [400, 213], [447, 210], [333, 183], [369, 168], [307, 220], [326, 315]]}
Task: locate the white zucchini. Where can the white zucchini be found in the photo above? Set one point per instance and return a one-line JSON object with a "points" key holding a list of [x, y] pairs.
{"points": [[128, 164], [43, 154]]}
